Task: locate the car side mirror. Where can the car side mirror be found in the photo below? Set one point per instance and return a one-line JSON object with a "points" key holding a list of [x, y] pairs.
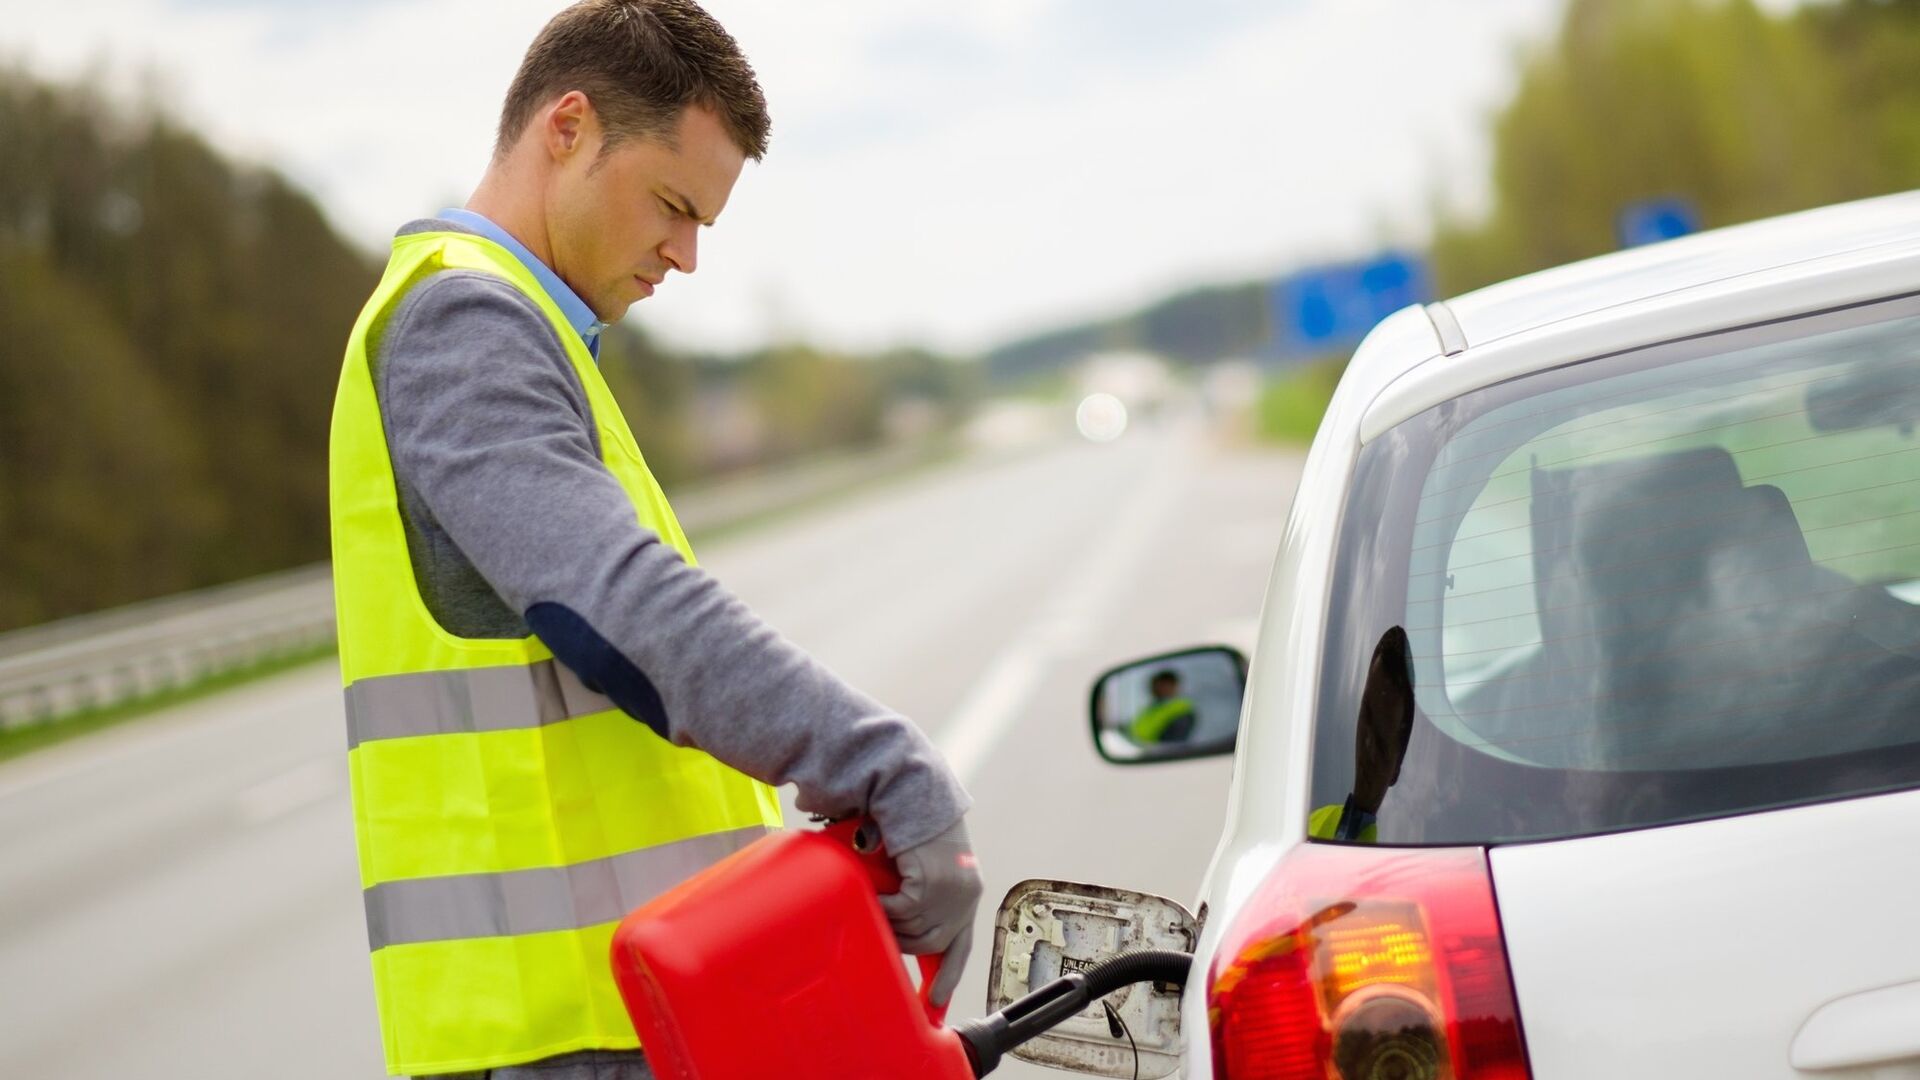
{"points": [[1046, 929], [1169, 707]]}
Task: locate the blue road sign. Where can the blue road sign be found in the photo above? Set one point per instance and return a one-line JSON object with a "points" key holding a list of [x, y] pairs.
{"points": [[1330, 308], [1653, 220]]}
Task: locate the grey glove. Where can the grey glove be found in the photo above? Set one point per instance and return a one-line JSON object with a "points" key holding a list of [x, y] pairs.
{"points": [[933, 911]]}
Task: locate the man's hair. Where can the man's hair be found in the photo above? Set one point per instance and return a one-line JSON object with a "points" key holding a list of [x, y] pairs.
{"points": [[640, 62]]}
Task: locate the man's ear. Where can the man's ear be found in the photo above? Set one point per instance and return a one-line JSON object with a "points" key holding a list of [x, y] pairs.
{"points": [[569, 126]]}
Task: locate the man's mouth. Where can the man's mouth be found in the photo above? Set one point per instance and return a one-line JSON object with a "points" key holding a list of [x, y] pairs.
{"points": [[646, 287]]}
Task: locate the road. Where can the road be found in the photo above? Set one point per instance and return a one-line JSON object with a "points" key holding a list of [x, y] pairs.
{"points": [[178, 896]]}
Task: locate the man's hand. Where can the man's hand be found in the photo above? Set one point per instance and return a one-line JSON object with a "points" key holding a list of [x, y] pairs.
{"points": [[933, 911]]}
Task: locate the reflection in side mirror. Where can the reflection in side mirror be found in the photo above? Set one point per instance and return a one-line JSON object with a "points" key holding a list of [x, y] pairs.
{"points": [[1046, 929], [1175, 705]]}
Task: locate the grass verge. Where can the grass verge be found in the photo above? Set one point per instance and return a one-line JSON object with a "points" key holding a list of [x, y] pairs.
{"points": [[1292, 403]]}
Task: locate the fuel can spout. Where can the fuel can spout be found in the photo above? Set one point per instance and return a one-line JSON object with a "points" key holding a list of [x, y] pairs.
{"points": [[991, 1036]]}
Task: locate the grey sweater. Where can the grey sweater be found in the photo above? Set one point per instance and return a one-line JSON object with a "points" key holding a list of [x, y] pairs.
{"points": [[515, 526]]}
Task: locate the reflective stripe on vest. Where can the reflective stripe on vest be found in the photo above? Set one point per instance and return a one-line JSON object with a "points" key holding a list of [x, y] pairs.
{"points": [[542, 899], [506, 816], [479, 699]]}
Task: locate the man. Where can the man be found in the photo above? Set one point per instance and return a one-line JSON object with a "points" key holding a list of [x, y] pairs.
{"points": [[553, 714], [1168, 718]]}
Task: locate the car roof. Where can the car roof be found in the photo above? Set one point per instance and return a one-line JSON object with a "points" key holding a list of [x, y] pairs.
{"points": [[1623, 277]]}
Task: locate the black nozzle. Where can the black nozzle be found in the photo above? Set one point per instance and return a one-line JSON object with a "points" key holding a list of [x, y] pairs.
{"points": [[991, 1036]]}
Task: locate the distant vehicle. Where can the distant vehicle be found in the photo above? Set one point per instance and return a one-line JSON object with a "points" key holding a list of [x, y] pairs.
{"points": [[1582, 737]]}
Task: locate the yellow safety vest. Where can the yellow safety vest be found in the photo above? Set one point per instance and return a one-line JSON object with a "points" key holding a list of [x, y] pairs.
{"points": [[507, 817], [1154, 720], [1324, 824]]}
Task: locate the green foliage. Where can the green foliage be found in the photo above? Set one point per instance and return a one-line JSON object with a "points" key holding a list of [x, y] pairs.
{"points": [[104, 492], [173, 326], [808, 401], [698, 417], [1292, 402], [656, 391], [1745, 113], [1197, 326]]}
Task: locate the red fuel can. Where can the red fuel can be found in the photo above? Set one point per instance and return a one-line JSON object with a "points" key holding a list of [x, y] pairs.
{"points": [[778, 961]]}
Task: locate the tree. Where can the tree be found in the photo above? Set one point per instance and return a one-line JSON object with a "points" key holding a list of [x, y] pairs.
{"points": [[1744, 113]]}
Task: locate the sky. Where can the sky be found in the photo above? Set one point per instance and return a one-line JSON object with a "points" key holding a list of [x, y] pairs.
{"points": [[952, 175]]}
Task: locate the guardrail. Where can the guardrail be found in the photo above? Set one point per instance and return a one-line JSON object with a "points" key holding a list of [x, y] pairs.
{"points": [[115, 657]]}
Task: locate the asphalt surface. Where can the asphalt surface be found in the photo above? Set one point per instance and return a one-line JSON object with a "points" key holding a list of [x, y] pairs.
{"points": [[178, 896]]}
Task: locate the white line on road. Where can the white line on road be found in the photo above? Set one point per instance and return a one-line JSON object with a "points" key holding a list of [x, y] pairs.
{"points": [[989, 711]]}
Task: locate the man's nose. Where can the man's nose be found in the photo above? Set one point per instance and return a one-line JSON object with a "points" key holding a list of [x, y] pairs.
{"points": [[682, 247]]}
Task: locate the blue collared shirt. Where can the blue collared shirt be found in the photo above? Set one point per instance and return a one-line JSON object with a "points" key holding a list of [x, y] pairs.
{"points": [[578, 314]]}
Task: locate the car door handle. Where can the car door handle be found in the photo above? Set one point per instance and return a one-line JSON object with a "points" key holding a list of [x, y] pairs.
{"points": [[1867, 1028]]}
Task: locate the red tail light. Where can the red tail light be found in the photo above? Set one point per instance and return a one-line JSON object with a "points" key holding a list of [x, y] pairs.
{"points": [[1357, 963]]}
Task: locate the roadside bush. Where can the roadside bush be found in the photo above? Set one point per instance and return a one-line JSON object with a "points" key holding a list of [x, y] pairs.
{"points": [[1293, 401]]}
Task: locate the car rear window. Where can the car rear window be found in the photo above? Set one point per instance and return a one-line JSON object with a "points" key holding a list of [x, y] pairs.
{"points": [[1674, 584]]}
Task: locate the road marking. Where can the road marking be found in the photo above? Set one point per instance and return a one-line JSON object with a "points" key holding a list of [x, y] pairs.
{"points": [[986, 714], [303, 785]]}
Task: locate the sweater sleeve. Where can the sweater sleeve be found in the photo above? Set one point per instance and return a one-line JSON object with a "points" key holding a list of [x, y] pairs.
{"points": [[487, 423]]}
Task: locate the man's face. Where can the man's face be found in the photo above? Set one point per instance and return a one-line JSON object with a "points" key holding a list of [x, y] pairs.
{"points": [[1164, 687], [618, 222]]}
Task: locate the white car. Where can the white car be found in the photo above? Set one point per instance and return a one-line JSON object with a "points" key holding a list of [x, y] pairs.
{"points": [[1649, 526]]}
